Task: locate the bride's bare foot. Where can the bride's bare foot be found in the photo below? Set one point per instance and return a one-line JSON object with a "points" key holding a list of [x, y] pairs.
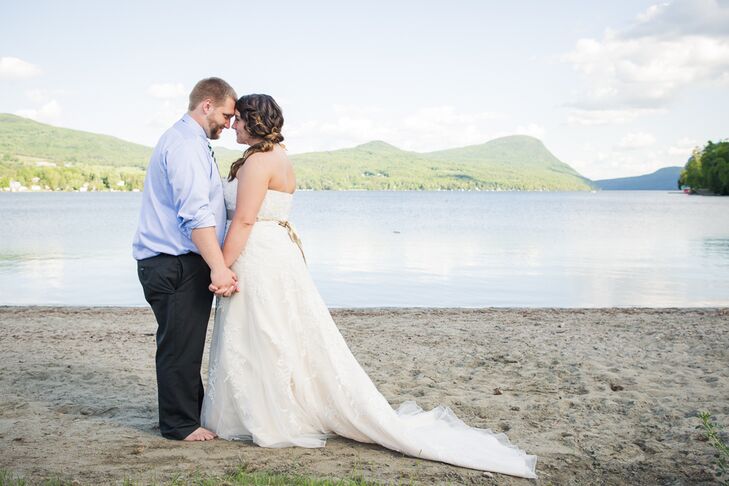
{"points": [[200, 434]]}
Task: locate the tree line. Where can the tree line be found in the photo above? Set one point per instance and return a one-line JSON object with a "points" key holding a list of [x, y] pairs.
{"points": [[708, 169], [88, 177]]}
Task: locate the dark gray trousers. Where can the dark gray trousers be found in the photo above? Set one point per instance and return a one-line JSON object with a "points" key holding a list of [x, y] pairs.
{"points": [[177, 289]]}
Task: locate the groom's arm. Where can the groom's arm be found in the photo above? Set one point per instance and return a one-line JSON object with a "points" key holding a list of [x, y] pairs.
{"points": [[187, 172]]}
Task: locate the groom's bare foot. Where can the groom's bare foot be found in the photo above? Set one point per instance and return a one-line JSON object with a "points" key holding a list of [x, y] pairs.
{"points": [[200, 434]]}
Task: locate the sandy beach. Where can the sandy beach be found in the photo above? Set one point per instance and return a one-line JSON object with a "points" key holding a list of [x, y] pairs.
{"points": [[604, 396]]}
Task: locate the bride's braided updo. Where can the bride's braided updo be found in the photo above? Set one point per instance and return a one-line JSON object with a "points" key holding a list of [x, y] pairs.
{"points": [[263, 119]]}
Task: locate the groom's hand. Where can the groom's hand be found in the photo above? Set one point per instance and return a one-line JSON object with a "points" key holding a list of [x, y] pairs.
{"points": [[223, 281], [222, 278]]}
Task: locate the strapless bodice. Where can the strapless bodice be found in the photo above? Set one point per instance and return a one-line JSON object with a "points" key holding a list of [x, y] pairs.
{"points": [[276, 204]]}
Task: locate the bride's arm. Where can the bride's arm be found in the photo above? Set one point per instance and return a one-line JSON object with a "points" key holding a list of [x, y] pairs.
{"points": [[253, 178]]}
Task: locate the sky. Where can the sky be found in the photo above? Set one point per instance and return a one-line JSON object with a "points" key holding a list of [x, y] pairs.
{"points": [[613, 89]]}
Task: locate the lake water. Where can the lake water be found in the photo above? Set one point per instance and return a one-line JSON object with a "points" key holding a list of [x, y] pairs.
{"points": [[432, 249]]}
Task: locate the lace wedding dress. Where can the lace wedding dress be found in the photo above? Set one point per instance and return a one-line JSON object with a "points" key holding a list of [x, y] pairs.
{"points": [[281, 374]]}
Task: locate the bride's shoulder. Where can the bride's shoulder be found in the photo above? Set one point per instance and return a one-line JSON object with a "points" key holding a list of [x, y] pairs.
{"points": [[264, 163], [256, 164], [260, 158], [261, 164]]}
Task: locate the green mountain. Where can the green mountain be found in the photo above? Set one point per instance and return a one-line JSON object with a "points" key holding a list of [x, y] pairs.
{"points": [[510, 163], [29, 150], [27, 139]]}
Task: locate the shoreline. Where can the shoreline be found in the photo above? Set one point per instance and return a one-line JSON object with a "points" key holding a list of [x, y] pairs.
{"points": [[600, 395], [136, 191], [58, 307]]}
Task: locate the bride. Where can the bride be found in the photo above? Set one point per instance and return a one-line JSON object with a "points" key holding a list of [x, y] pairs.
{"points": [[280, 373]]}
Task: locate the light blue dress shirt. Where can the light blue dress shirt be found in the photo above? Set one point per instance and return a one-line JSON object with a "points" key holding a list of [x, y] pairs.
{"points": [[182, 191]]}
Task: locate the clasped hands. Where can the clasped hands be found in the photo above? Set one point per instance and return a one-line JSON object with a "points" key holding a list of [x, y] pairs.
{"points": [[223, 282]]}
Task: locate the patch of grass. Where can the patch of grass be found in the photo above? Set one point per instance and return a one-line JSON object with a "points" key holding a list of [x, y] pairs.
{"points": [[7, 478], [241, 477], [721, 457]]}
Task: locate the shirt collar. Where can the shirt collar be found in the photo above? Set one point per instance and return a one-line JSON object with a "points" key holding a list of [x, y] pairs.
{"points": [[194, 126]]}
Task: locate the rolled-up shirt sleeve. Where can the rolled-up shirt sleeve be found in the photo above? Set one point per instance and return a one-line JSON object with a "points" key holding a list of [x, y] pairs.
{"points": [[188, 170]]}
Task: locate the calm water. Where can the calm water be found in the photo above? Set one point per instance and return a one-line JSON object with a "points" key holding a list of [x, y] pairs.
{"points": [[443, 249]]}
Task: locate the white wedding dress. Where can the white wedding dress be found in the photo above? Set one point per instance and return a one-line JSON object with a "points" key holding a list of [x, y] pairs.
{"points": [[281, 374]]}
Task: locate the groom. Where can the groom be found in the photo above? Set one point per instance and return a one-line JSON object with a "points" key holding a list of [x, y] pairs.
{"points": [[177, 248]]}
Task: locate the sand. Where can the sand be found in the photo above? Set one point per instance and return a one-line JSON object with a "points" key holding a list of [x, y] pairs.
{"points": [[605, 396]]}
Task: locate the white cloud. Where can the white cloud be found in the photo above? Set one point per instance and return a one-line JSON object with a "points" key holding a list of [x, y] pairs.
{"points": [[639, 140], [439, 127], [531, 129], [683, 148], [609, 117], [618, 161], [14, 68], [47, 113], [426, 129], [167, 90], [166, 115], [356, 110], [683, 17], [671, 48], [38, 95], [170, 109], [647, 71], [651, 12]]}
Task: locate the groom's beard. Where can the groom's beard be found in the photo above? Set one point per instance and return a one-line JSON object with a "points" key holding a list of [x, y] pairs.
{"points": [[215, 130]]}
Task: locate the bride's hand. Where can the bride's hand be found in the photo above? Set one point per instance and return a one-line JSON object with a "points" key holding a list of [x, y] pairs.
{"points": [[234, 288], [228, 293]]}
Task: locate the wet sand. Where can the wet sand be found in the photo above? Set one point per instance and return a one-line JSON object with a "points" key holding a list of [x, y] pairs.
{"points": [[604, 396]]}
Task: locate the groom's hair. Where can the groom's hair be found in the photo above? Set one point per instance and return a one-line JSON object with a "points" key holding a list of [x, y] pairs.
{"points": [[214, 88]]}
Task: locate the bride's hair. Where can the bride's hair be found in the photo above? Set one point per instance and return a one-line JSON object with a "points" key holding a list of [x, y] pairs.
{"points": [[263, 119]]}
